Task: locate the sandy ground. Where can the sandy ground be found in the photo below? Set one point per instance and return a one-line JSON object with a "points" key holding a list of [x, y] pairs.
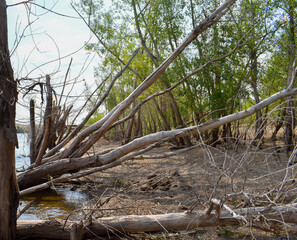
{"points": [[187, 181]]}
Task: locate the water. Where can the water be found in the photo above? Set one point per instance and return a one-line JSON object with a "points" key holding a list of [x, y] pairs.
{"points": [[52, 203], [22, 159], [48, 204]]}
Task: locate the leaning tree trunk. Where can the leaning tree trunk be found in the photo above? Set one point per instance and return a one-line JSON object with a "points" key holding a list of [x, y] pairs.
{"points": [[33, 133], [9, 197], [53, 169]]}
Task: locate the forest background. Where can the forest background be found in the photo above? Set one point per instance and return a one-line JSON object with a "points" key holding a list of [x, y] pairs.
{"points": [[262, 32], [256, 41]]}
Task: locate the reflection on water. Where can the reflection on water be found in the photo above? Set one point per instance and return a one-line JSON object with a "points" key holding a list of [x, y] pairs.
{"points": [[51, 203], [48, 204]]}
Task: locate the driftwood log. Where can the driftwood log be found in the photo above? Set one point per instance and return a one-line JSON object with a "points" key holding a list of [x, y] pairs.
{"points": [[148, 223]]}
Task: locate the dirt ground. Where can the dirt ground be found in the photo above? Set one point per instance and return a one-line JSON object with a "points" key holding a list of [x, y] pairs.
{"points": [[188, 180]]}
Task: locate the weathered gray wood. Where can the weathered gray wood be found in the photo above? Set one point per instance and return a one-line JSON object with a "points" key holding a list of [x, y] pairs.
{"points": [[24, 209], [150, 223], [77, 231], [35, 229], [32, 133], [47, 121]]}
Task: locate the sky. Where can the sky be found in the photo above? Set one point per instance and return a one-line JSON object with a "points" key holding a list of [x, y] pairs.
{"points": [[49, 37]]}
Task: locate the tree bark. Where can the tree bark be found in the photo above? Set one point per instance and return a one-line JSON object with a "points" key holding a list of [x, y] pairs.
{"points": [[33, 133], [150, 223], [128, 134], [259, 132], [9, 198], [47, 121], [278, 124], [164, 120], [290, 113]]}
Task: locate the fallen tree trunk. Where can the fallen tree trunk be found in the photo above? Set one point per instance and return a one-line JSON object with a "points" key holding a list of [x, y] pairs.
{"points": [[32, 229], [38, 175]]}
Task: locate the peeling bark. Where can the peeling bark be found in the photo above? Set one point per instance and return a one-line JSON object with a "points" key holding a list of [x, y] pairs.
{"points": [[9, 198]]}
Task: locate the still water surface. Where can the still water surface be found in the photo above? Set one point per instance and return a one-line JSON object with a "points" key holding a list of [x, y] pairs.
{"points": [[48, 204]]}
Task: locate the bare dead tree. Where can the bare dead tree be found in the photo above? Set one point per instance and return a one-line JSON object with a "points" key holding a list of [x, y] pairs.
{"points": [[32, 133], [47, 121], [80, 126]]}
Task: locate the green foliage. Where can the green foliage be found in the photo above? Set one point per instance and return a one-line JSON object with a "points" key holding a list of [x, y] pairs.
{"points": [[95, 118], [158, 26]]}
